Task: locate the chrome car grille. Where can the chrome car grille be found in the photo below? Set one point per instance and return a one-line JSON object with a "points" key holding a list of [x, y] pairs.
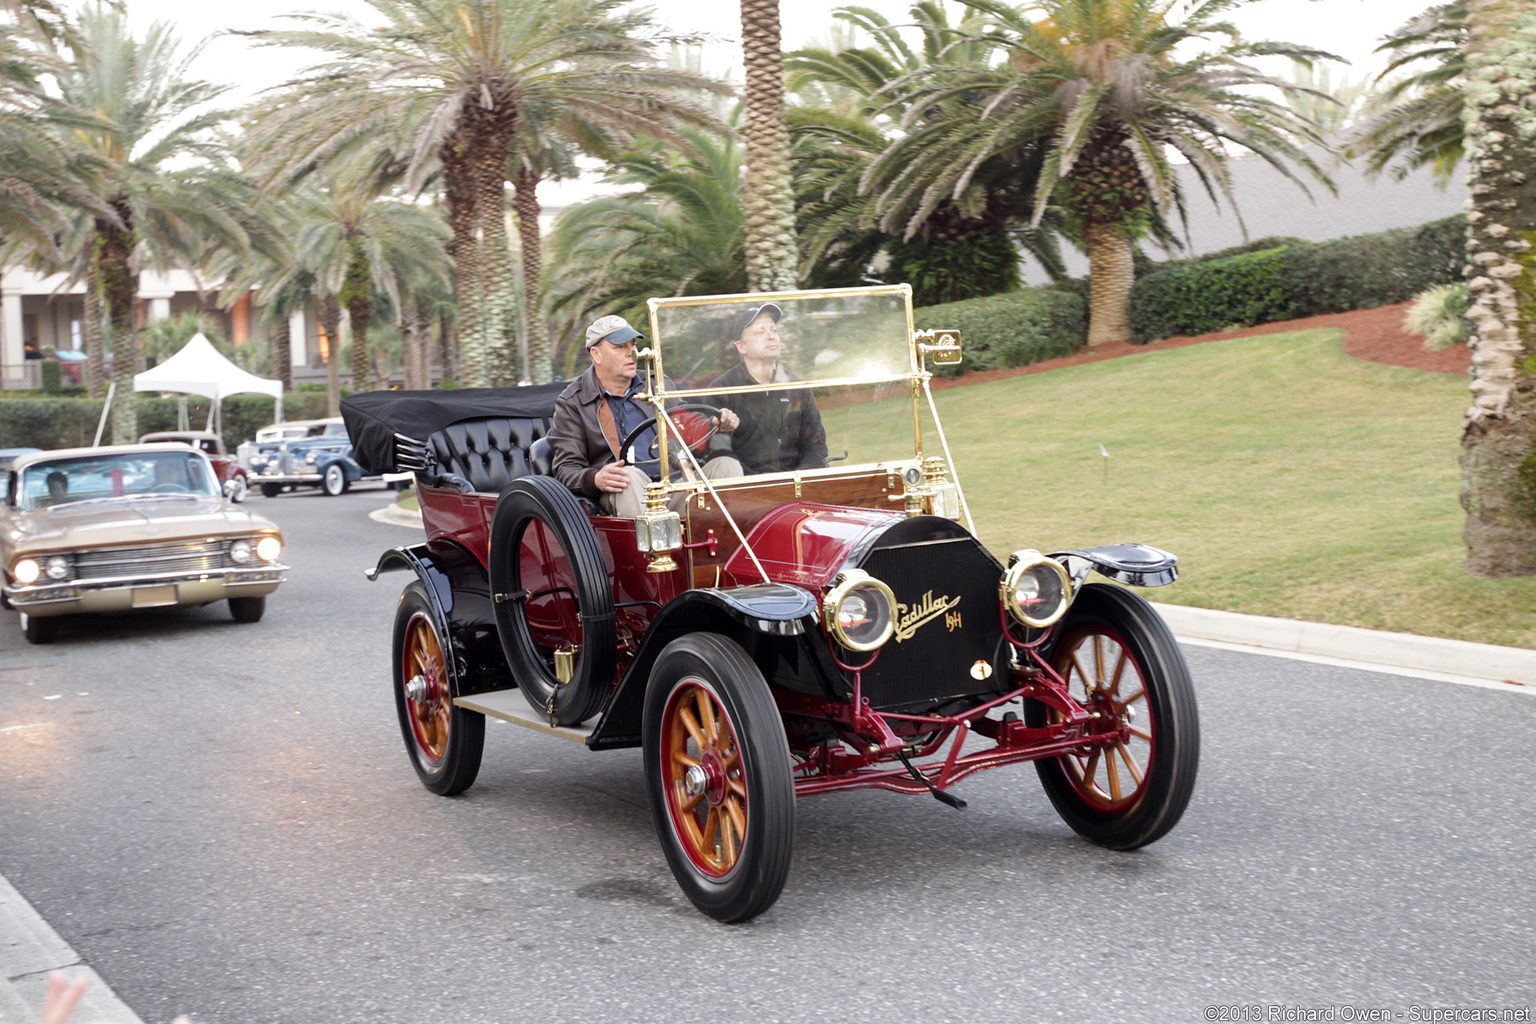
{"points": [[182, 556]]}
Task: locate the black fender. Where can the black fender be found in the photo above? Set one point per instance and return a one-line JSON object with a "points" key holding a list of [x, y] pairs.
{"points": [[776, 624], [1135, 565], [459, 592]]}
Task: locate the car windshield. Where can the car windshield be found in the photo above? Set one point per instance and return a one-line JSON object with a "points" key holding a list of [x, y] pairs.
{"points": [[117, 475], [821, 380]]}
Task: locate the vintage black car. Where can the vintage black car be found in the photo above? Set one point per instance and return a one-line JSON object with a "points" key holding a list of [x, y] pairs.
{"points": [[778, 635], [304, 453]]}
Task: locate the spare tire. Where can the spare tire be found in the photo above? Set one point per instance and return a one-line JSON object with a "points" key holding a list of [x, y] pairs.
{"points": [[550, 589]]}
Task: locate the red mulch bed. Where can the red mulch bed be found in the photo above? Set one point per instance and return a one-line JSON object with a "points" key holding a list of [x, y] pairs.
{"points": [[1373, 334]]}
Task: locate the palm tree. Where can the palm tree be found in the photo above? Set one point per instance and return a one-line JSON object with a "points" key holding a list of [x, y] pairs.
{"points": [[161, 188], [445, 83], [1104, 89], [1420, 117], [1498, 483], [680, 234], [768, 193]]}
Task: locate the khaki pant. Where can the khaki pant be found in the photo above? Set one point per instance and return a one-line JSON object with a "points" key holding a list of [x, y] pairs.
{"points": [[630, 502]]}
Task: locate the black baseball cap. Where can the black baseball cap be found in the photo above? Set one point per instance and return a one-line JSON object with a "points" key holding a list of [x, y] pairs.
{"points": [[751, 313]]}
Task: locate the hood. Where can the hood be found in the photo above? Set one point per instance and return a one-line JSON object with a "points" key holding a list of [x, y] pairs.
{"points": [[129, 521], [806, 543]]}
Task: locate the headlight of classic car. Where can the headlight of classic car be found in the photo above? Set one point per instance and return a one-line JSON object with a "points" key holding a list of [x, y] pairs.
{"points": [[27, 570], [859, 609], [1036, 590], [59, 567], [246, 550], [268, 548]]}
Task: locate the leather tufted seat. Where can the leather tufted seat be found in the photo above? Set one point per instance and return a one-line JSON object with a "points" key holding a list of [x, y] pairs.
{"points": [[485, 454]]}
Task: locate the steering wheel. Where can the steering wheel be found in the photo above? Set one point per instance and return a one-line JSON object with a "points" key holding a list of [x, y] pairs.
{"points": [[697, 422], [168, 489]]}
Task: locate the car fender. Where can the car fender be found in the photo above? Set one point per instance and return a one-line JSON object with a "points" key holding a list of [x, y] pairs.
{"points": [[777, 625], [1135, 565], [459, 592]]}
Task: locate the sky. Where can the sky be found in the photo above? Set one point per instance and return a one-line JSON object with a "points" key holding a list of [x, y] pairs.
{"points": [[1349, 28]]}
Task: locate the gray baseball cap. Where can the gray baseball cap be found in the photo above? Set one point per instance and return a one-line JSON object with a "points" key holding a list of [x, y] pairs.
{"points": [[613, 329], [746, 316]]}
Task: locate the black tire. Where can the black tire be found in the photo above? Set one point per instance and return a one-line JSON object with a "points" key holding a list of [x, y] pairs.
{"points": [[247, 609], [1136, 665], [444, 740], [547, 501], [749, 773], [271, 490], [39, 631], [333, 480], [241, 486]]}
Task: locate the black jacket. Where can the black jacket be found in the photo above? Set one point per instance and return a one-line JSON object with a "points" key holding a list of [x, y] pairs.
{"points": [[780, 430]]}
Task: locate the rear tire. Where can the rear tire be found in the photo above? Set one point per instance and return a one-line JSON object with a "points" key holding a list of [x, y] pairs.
{"points": [[247, 609], [271, 490], [334, 481], [445, 741], [1119, 659], [717, 769]]}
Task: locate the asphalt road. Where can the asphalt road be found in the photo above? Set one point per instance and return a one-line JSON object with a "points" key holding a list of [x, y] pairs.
{"points": [[221, 819]]}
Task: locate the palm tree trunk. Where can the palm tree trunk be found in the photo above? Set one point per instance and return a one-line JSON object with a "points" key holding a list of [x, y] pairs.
{"points": [[491, 126], [282, 353], [421, 330], [120, 290], [525, 201], [1111, 272], [330, 322], [459, 191], [92, 331], [768, 200], [448, 338], [1498, 445], [357, 296]]}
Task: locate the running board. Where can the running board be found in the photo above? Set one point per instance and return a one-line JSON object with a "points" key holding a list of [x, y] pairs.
{"points": [[512, 706]]}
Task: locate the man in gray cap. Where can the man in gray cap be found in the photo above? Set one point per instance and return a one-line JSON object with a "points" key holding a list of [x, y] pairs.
{"points": [[780, 430], [595, 414]]}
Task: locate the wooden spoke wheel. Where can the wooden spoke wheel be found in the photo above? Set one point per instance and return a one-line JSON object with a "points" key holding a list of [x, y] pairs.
{"points": [[718, 773], [1120, 661], [445, 741]]}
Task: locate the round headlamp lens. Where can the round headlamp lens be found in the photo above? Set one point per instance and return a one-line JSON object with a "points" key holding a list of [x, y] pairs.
{"points": [[58, 567], [240, 551], [268, 548], [860, 612], [27, 571], [1036, 589]]}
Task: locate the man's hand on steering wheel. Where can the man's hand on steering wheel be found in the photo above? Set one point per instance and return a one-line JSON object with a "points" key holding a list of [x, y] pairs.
{"points": [[701, 423]]}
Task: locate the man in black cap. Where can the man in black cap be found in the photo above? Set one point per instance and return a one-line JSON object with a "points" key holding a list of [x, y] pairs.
{"points": [[595, 414], [780, 430]]}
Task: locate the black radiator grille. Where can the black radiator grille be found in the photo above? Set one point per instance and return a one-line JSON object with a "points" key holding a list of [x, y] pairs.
{"points": [[947, 622]]}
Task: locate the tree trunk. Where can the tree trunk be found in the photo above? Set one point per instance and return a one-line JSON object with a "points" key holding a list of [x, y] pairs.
{"points": [[282, 353], [448, 338], [93, 330], [768, 199], [1498, 445], [421, 329], [1111, 272], [120, 290], [491, 128], [459, 191], [357, 296], [330, 322], [525, 201]]}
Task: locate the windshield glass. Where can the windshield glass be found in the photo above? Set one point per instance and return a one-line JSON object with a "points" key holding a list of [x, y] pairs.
{"points": [[116, 475], [817, 381]]}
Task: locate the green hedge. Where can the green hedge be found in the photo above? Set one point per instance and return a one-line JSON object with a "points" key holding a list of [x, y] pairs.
{"points": [[71, 422], [1012, 329], [1292, 281]]}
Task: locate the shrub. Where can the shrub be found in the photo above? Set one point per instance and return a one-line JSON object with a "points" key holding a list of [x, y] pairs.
{"points": [[1440, 314], [946, 271], [71, 422], [49, 370], [1012, 329], [1360, 272]]}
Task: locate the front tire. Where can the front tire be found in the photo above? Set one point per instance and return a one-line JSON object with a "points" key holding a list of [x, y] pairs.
{"points": [[717, 769], [1119, 659], [241, 487], [271, 490], [247, 609], [334, 481], [444, 740], [39, 631]]}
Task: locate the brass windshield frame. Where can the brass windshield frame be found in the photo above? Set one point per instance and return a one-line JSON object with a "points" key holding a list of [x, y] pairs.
{"points": [[657, 393]]}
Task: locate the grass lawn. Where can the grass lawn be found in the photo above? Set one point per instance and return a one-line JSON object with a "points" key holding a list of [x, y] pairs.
{"points": [[1291, 480]]}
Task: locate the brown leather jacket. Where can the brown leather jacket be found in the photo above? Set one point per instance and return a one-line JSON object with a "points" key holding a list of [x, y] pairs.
{"points": [[583, 437]]}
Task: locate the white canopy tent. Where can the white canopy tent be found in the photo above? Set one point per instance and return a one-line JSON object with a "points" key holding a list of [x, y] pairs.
{"points": [[199, 369]]}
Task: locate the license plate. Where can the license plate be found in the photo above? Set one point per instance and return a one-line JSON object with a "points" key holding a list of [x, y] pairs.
{"points": [[154, 597]]}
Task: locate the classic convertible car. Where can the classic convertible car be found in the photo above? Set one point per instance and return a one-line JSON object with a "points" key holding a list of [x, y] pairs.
{"points": [[828, 623], [125, 527]]}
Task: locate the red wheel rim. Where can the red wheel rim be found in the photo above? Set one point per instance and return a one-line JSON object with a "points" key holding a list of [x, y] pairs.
{"points": [[428, 702], [1104, 676], [702, 778]]}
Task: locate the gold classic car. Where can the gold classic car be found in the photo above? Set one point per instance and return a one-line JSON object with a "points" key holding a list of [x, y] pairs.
{"points": [[118, 528]]}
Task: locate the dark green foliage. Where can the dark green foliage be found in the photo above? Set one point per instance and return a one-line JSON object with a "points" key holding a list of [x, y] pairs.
{"points": [[1361, 272], [952, 271], [1012, 329], [71, 422], [49, 370]]}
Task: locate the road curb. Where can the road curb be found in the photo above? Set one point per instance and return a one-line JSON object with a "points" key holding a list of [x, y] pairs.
{"points": [[1399, 653], [30, 950], [397, 516]]}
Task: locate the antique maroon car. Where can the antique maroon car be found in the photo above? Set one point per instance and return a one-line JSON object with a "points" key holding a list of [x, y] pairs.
{"points": [[232, 476], [826, 627]]}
